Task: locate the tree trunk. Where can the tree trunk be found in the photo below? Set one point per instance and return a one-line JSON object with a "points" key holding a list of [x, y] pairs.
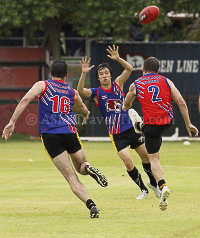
{"points": [[28, 39], [54, 38]]}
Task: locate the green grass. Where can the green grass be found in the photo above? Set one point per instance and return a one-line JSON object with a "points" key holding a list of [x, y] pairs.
{"points": [[36, 201]]}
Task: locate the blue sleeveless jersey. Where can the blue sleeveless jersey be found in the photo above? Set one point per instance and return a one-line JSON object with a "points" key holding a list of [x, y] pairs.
{"points": [[55, 108], [110, 104]]}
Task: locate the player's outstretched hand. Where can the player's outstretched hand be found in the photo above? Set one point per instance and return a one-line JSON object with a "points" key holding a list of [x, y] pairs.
{"points": [[85, 62], [191, 129], [113, 52], [85, 118], [8, 130]]}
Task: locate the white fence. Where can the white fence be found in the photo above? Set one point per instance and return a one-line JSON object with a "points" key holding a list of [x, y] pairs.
{"points": [[174, 137]]}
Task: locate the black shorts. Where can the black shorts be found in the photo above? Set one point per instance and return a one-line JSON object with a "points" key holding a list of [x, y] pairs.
{"points": [[56, 144], [126, 138], [153, 138]]}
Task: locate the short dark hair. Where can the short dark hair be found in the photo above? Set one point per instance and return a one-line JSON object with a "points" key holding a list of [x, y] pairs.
{"points": [[102, 66], [151, 64], [59, 68]]}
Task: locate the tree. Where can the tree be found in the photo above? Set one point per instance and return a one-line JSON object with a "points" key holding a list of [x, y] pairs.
{"points": [[189, 26], [191, 7], [88, 17], [35, 15]]}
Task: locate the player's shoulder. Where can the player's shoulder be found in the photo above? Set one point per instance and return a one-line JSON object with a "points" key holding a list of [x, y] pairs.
{"points": [[39, 84], [169, 82]]}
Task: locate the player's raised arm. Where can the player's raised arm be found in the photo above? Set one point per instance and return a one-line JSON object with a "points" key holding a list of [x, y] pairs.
{"points": [[176, 96], [36, 90], [129, 97], [85, 69], [114, 55]]}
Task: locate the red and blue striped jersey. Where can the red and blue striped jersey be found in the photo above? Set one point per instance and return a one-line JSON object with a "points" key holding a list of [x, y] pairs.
{"points": [[153, 92], [110, 104], [55, 108]]}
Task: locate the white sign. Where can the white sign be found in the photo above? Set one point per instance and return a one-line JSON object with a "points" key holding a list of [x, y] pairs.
{"points": [[136, 61], [166, 66]]}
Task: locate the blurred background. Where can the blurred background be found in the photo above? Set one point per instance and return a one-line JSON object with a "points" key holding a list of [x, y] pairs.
{"points": [[33, 33]]}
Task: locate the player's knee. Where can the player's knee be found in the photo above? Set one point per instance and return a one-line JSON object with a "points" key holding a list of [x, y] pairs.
{"points": [[129, 163], [80, 168]]}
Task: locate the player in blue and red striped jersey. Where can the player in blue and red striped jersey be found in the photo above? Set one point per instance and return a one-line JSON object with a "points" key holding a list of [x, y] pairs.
{"points": [[109, 98], [57, 128], [155, 93]]}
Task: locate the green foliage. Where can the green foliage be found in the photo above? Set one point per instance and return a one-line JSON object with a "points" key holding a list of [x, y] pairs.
{"points": [[175, 32], [191, 7], [109, 16], [91, 17], [88, 17], [187, 6]]}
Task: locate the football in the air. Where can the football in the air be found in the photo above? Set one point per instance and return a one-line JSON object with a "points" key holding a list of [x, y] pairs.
{"points": [[149, 14]]}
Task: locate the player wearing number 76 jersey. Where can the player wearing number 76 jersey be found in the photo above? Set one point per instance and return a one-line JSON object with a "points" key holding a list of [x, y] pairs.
{"points": [[57, 128], [155, 93]]}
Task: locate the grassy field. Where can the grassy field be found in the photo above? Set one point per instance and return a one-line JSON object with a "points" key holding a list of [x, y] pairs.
{"points": [[36, 201]]}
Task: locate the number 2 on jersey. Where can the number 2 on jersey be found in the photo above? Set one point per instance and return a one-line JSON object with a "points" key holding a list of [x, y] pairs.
{"points": [[155, 90], [62, 105]]}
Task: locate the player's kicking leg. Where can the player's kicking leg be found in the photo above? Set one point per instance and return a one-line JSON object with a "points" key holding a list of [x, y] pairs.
{"points": [[97, 175], [136, 120], [63, 164], [83, 167]]}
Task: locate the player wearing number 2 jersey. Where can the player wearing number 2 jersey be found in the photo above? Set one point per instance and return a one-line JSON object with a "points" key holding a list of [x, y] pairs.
{"points": [[57, 127], [155, 93]]}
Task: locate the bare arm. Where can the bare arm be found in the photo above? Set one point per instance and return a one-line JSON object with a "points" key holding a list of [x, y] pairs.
{"points": [[129, 97], [85, 69], [120, 80], [36, 90], [80, 106], [176, 96]]}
